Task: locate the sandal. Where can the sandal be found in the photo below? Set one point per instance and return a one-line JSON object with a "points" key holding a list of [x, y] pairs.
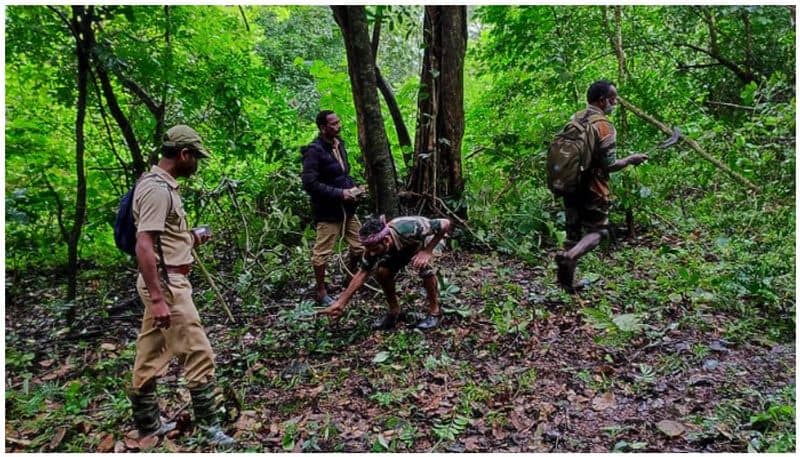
{"points": [[387, 322], [429, 322]]}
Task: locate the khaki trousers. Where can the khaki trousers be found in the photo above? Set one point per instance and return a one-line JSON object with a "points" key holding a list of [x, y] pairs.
{"points": [[328, 232], [185, 338]]}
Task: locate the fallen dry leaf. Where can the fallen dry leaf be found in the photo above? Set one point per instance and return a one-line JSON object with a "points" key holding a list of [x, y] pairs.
{"points": [[131, 443], [247, 422], [106, 444], [108, 347], [171, 446], [604, 401], [148, 441], [499, 433], [671, 428], [471, 443], [57, 438], [57, 373]]}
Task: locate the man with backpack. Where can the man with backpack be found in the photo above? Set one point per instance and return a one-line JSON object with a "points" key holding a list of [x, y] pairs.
{"points": [[171, 324], [578, 166], [334, 197]]}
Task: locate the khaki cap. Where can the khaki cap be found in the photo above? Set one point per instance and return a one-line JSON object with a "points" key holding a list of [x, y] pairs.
{"points": [[183, 135]]}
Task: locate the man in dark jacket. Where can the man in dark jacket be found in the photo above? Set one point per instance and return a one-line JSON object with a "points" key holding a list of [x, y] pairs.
{"points": [[334, 194]]}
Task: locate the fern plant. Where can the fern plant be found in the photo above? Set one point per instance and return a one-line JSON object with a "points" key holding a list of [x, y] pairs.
{"points": [[449, 430], [616, 329]]}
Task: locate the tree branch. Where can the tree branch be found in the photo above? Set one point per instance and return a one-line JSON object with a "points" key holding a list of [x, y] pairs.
{"points": [[59, 208], [692, 144], [244, 18], [65, 20], [104, 116], [744, 75]]}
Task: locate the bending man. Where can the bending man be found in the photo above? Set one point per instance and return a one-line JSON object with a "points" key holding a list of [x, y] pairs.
{"points": [[390, 247]]}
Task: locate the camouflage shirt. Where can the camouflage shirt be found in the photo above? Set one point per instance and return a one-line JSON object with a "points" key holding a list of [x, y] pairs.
{"points": [[604, 155], [409, 234]]}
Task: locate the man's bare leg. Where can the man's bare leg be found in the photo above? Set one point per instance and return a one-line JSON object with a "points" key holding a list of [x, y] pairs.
{"points": [[568, 260], [322, 292], [434, 312], [385, 278]]}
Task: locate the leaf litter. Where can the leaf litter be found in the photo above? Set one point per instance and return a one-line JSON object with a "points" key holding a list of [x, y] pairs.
{"points": [[518, 361]]}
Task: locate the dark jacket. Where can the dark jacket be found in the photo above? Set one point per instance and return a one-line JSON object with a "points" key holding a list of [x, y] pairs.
{"points": [[325, 181]]}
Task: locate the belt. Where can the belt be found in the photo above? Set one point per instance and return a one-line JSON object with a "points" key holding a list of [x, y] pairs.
{"points": [[180, 269]]}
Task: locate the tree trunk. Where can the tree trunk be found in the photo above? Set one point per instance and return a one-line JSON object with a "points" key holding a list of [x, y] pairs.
{"points": [[437, 172], [380, 171], [81, 20], [139, 165], [622, 79], [403, 138]]}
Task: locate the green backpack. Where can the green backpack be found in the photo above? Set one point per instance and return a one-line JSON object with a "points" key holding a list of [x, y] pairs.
{"points": [[570, 154]]}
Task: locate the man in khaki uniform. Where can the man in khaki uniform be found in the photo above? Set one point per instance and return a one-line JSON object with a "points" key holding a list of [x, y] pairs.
{"points": [[171, 325]]}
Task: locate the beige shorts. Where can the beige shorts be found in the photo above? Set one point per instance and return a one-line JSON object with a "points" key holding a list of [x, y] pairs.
{"points": [[328, 232], [185, 338]]}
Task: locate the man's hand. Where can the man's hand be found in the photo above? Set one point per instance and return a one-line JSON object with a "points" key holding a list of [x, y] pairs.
{"points": [[201, 235], [349, 195], [352, 193], [421, 259], [334, 311], [636, 159], [160, 312]]}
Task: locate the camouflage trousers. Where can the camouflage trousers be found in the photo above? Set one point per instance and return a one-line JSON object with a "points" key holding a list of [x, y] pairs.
{"points": [[584, 212]]}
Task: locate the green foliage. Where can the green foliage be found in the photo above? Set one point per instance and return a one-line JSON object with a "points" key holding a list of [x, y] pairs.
{"points": [[776, 425], [74, 400], [709, 256], [449, 430], [617, 328]]}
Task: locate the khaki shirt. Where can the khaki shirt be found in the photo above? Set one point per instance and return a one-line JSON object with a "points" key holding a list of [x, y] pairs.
{"points": [[151, 201]]}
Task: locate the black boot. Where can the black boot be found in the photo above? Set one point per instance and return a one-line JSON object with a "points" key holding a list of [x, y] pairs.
{"points": [[146, 414], [206, 416]]}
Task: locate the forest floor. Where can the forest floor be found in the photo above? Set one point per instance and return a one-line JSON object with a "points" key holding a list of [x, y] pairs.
{"points": [[517, 366]]}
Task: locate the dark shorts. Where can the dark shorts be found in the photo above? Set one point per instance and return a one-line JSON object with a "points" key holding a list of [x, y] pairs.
{"points": [[398, 260], [587, 211]]}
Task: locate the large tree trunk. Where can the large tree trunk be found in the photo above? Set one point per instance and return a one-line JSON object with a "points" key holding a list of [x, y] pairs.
{"points": [[403, 138], [381, 175], [437, 174], [81, 20]]}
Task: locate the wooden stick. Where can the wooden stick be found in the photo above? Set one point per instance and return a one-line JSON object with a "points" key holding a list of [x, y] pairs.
{"points": [[213, 285], [692, 144]]}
